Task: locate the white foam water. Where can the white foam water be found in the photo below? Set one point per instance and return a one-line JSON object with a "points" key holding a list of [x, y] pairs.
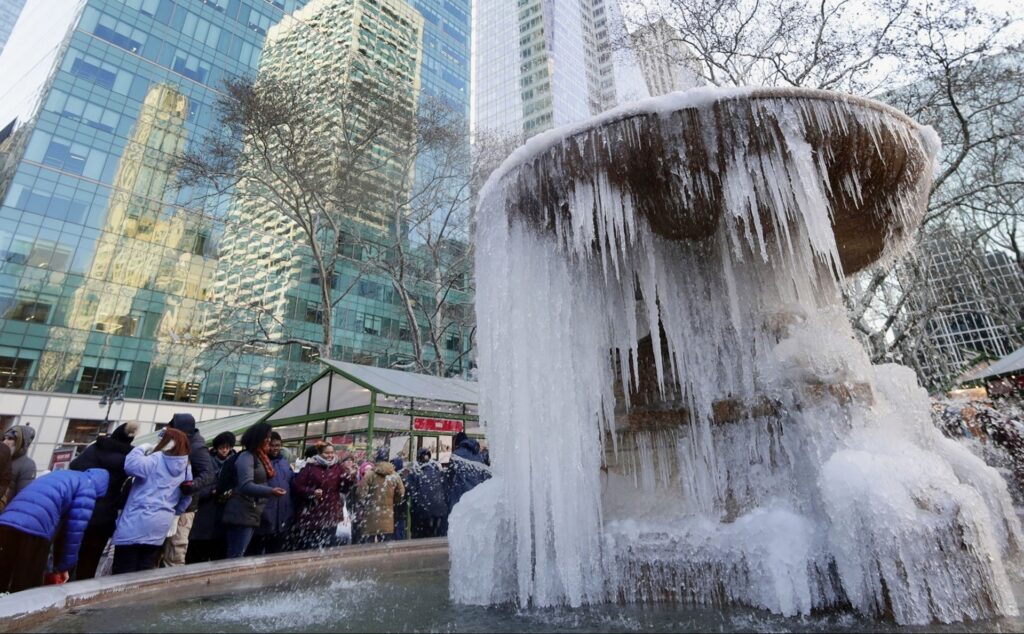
{"points": [[839, 493]]}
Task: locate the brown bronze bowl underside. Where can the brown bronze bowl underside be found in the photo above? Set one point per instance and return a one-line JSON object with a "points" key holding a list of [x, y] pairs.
{"points": [[639, 152]]}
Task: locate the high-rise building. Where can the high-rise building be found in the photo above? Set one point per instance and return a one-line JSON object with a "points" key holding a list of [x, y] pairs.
{"points": [[667, 64], [108, 271], [969, 306], [544, 63], [267, 263], [9, 12]]}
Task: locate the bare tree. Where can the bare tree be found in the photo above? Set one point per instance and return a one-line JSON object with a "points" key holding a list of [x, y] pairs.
{"points": [[432, 271], [332, 183], [946, 63]]}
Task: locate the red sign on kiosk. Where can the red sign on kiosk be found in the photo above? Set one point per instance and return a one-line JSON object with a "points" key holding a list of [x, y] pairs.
{"points": [[444, 425]]}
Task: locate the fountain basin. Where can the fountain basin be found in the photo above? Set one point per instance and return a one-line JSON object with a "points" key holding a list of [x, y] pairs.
{"points": [[374, 588], [874, 157], [35, 608]]}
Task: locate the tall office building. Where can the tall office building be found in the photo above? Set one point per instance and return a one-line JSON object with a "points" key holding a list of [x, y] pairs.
{"points": [[9, 12], [544, 63], [968, 305], [267, 263], [108, 272], [667, 64]]}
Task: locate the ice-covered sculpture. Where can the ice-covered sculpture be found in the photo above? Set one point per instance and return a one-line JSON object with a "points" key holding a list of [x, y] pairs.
{"points": [[675, 402]]}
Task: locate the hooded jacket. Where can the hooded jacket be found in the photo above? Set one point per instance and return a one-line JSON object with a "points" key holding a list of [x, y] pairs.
{"points": [[23, 468], [62, 498], [377, 494], [427, 490], [466, 470], [204, 475], [107, 453], [334, 480], [156, 497]]}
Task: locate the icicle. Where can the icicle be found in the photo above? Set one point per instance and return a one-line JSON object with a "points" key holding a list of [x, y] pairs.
{"points": [[788, 473]]}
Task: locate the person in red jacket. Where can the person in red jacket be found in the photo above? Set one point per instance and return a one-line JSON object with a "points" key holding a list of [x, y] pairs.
{"points": [[320, 490]]}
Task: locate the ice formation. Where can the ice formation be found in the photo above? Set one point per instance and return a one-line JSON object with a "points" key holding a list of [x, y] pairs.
{"points": [[782, 469]]}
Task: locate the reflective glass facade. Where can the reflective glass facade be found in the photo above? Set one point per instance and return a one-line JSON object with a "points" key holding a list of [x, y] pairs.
{"points": [[545, 63], [107, 270], [537, 64], [9, 11]]}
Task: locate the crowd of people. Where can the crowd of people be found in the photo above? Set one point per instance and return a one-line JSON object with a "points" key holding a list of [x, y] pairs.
{"points": [[121, 508]]}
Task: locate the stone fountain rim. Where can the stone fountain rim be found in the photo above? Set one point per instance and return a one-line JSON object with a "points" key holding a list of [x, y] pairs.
{"points": [[701, 97], [28, 609]]}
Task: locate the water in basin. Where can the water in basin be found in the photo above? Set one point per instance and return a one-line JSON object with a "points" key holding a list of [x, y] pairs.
{"points": [[419, 602]]}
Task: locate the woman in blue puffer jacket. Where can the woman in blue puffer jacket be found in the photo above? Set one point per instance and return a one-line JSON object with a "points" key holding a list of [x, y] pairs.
{"points": [[160, 492], [58, 507]]}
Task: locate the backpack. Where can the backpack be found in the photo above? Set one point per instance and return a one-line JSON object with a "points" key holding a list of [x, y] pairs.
{"points": [[227, 477]]}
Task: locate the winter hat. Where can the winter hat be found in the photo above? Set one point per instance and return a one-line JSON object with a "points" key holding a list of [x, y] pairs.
{"points": [[183, 423], [382, 454], [224, 438], [398, 463]]}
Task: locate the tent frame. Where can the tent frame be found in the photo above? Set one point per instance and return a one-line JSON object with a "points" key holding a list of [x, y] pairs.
{"points": [[370, 411]]}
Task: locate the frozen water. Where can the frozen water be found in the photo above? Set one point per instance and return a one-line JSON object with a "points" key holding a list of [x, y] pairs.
{"points": [[830, 487]]}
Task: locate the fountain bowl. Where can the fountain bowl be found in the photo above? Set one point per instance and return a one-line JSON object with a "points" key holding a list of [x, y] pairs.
{"points": [[876, 159]]}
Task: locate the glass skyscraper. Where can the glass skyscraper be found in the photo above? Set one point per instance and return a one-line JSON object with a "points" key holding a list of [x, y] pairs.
{"points": [[9, 11], [545, 63], [108, 271]]}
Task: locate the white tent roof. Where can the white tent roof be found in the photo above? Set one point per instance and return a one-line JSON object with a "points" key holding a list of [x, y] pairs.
{"points": [[211, 428], [1010, 363], [409, 384]]}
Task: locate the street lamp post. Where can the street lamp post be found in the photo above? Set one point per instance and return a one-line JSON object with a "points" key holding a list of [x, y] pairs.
{"points": [[112, 394]]}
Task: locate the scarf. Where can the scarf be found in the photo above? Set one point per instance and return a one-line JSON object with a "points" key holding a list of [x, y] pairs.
{"points": [[324, 462], [265, 459]]}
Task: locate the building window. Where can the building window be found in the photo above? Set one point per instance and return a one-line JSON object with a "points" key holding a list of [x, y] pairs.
{"points": [[96, 380], [36, 312], [83, 431], [14, 372], [181, 391], [371, 324], [453, 342], [314, 313]]}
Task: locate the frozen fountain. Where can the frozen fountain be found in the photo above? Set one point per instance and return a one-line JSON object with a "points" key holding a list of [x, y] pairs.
{"points": [[676, 405]]}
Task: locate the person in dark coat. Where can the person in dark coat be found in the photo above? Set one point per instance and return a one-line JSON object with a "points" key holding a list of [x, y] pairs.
{"points": [[108, 453], [58, 507], [466, 469], [23, 469], [276, 521], [321, 488], [204, 479], [401, 505], [206, 540], [6, 475], [244, 508], [426, 484]]}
